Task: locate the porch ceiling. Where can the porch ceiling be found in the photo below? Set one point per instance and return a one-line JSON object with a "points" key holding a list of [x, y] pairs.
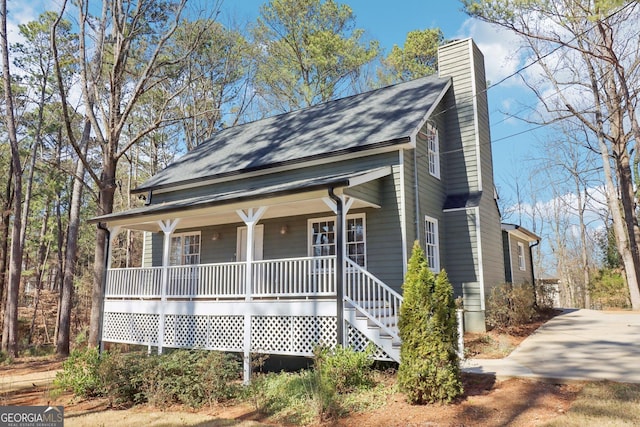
{"points": [[294, 198]]}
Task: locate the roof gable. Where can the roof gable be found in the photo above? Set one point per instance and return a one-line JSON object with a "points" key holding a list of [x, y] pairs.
{"points": [[368, 120]]}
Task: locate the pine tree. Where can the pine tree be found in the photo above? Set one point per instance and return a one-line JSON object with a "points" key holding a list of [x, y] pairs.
{"points": [[429, 369]]}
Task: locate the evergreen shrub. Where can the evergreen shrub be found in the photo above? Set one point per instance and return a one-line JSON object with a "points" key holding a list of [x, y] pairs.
{"points": [[429, 367]]}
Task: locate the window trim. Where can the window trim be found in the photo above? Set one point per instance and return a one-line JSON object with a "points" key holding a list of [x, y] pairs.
{"points": [[310, 222], [433, 150], [436, 267], [181, 235], [522, 265]]}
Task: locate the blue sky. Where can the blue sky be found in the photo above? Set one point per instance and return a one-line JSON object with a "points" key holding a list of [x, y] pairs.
{"points": [[389, 22]]}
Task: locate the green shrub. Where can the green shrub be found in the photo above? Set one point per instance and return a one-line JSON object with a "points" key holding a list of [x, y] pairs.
{"points": [[122, 377], [286, 396], [510, 305], [191, 377], [338, 371], [309, 395], [344, 368], [79, 373], [609, 290], [429, 370]]}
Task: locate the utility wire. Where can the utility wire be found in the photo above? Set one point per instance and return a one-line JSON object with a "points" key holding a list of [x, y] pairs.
{"points": [[523, 68]]}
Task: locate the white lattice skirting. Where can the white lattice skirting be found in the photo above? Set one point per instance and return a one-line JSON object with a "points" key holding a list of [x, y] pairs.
{"points": [[285, 335]]}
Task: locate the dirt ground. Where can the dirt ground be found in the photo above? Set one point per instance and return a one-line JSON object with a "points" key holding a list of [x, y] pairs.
{"points": [[486, 402]]}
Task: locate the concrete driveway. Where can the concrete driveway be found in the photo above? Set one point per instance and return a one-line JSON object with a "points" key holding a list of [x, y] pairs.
{"points": [[576, 345]]}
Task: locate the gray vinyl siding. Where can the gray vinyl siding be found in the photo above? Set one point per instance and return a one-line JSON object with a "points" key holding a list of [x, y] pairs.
{"points": [[475, 258], [491, 241], [462, 255], [369, 191], [409, 200], [431, 190], [484, 134], [346, 166], [460, 151], [384, 234], [520, 276], [383, 242]]}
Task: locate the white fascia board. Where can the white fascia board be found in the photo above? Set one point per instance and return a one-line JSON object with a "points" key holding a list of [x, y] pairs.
{"points": [[414, 134], [370, 176]]}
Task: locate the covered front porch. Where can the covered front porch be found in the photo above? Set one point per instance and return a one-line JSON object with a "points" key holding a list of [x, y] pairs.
{"points": [[257, 301]]}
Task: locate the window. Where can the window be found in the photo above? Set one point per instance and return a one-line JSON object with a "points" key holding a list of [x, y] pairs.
{"points": [[322, 235], [433, 148], [521, 264], [185, 249], [355, 240], [432, 246]]}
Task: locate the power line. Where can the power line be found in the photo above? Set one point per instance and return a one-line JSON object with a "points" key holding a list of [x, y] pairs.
{"points": [[525, 67]]}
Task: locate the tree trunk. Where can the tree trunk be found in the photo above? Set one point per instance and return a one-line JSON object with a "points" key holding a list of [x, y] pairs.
{"points": [[10, 328], [66, 292], [43, 250], [105, 206], [4, 234]]}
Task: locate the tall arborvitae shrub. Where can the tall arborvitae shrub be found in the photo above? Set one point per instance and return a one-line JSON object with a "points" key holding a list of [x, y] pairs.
{"points": [[429, 370]]}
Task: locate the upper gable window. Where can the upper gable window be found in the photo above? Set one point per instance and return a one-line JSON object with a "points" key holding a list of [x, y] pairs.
{"points": [[521, 264], [433, 149]]}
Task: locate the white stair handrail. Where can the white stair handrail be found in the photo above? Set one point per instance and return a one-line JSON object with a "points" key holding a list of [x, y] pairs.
{"points": [[363, 288]]}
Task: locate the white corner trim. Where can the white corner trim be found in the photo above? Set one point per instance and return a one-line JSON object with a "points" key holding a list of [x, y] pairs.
{"points": [[480, 259], [476, 125], [403, 211]]}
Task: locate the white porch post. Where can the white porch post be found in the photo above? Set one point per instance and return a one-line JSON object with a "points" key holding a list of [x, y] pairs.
{"points": [[113, 233], [250, 217], [168, 227]]}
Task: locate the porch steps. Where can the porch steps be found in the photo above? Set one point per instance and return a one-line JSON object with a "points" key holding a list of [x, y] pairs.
{"points": [[382, 337]]}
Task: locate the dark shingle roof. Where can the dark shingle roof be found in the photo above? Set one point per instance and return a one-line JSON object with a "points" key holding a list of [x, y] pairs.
{"points": [[209, 200], [383, 116]]}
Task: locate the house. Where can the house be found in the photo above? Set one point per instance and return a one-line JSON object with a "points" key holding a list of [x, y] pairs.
{"points": [[518, 243], [283, 233]]}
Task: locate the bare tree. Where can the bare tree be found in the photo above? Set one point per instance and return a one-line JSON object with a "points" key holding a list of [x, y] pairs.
{"points": [[123, 54], [10, 326], [587, 54]]}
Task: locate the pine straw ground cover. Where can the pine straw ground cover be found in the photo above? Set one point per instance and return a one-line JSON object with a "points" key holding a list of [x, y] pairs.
{"points": [[486, 401]]}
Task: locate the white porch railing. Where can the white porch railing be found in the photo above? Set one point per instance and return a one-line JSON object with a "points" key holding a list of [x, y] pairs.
{"points": [[134, 282], [311, 276], [292, 277], [373, 298], [224, 280]]}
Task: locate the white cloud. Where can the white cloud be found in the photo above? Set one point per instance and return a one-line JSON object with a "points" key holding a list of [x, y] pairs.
{"points": [[499, 46], [21, 12]]}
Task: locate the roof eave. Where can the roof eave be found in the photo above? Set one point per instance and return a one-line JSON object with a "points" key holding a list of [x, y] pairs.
{"points": [[240, 173], [427, 116], [521, 232]]}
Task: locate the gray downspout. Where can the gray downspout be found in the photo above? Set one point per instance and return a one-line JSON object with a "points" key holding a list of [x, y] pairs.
{"points": [[533, 276], [105, 262], [339, 268]]}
